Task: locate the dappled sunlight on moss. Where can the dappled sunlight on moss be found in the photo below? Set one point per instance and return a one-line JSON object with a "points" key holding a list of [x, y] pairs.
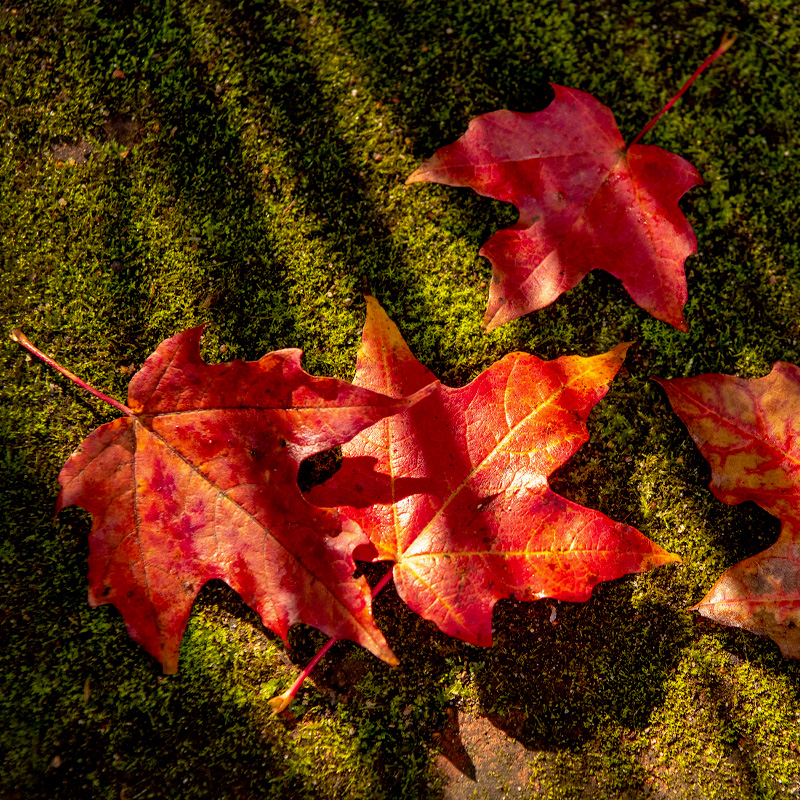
{"points": [[261, 193]]}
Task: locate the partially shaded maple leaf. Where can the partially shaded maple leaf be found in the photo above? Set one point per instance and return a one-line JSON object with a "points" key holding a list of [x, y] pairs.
{"points": [[199, 481], [585, 202], [749, 432], [467, 515]]}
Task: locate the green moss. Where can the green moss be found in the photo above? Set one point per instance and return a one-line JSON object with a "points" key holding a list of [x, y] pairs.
{"points": [[247, 172]]}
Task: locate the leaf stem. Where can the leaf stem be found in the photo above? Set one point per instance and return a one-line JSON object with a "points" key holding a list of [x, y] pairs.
{"points": [[18, 336], [282, 701], [726, 42]]}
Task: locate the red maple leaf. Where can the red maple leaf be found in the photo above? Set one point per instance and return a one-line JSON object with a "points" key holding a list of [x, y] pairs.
{"points": [[464, 508], [199, 481], [585, 201], [749, 432]]}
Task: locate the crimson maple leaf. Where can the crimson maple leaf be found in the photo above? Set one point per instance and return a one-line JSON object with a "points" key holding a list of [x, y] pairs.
{"points": [[199, 481], [465, 511], [749, 432], [585, 202]]}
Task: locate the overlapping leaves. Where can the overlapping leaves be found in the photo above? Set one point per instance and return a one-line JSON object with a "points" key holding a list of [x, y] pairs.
{"points": [[198, 480]]}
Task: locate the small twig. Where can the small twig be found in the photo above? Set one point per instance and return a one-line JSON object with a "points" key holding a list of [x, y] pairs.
{"points": [[20, 338], [726, 42], [282, 701]]}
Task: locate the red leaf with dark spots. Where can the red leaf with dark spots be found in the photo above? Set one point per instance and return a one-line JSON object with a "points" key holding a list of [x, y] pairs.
{"points": [[198, 481]]}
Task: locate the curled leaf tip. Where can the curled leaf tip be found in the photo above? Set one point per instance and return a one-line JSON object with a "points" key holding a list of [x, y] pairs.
{"points": [[622, 349], [418, 176]]}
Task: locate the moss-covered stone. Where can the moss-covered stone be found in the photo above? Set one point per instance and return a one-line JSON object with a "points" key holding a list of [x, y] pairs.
{"points": [[169, 163]]}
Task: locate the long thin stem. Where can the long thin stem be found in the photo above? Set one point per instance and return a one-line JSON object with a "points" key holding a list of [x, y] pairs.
{"points": [[281, 702], [18, 336], [726, 42]]}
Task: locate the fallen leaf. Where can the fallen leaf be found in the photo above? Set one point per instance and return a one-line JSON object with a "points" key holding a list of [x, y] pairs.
{"points": [[748, 431], [454, 490], [199, 482], [585, 201]]}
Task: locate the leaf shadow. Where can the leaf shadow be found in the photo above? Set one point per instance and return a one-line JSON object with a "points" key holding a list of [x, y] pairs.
{"points": [[367, 486], [581, 668], [548, 687]]}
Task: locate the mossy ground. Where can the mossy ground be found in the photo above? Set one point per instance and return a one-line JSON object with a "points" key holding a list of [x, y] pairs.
{"points": [[247, 172]]}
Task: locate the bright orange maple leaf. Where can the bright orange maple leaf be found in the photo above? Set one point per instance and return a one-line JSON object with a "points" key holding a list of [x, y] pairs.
{"points": [[465, 511]]}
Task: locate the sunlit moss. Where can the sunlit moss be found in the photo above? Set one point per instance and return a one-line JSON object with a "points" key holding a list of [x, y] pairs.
{"points": [[261, 192]]}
